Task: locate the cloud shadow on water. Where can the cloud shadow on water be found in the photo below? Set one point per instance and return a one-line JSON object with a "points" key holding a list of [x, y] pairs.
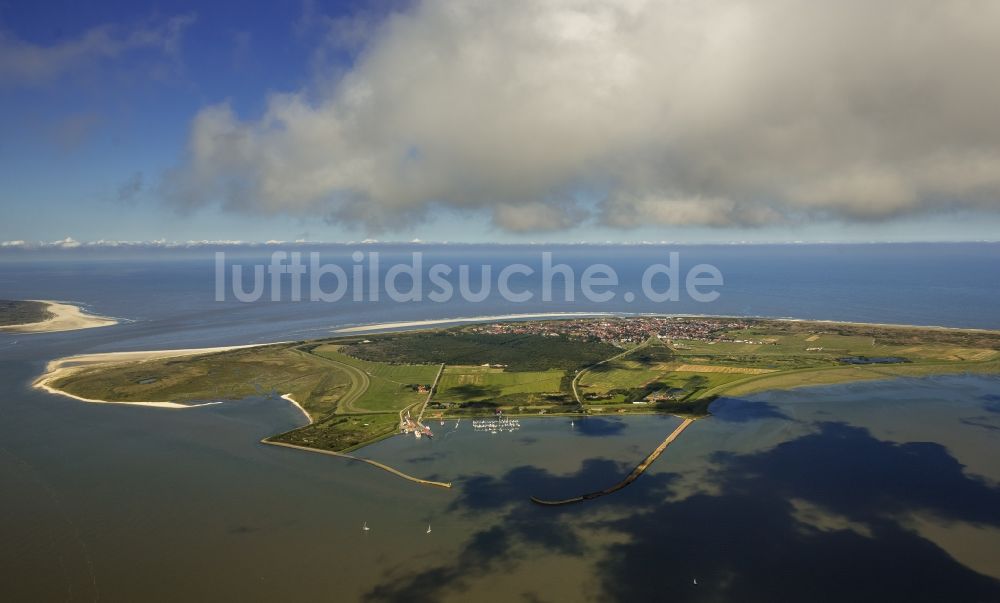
{"points": [[521, 527], [747, 542], [737, 410], [599, 426], [745, 539], [982, 422]]}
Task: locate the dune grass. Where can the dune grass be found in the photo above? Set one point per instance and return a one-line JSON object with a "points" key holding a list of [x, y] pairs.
{"points": [[17, 312], [230, 375]]}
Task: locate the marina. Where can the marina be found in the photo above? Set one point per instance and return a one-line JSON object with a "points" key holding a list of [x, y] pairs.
{"points": [[496, 425]]}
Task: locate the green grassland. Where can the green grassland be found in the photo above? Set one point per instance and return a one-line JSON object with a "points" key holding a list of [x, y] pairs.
{"points": [[355, 389], [464, 384], [786, 355], [341, 433], [331, 386], [847, 374], [230, 375], [391, 387], [623, 373]]}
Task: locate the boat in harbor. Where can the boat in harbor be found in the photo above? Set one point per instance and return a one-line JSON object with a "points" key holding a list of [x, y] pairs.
{"points": [[498, 425]]}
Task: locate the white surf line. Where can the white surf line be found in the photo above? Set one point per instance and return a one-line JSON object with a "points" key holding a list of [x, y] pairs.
{"points": [[298, 406], [439, 321]]}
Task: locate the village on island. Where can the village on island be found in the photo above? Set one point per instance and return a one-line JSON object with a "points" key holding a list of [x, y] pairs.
{"points": [[355, 390]]}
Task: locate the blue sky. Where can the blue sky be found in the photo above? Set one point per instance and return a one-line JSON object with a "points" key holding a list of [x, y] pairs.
{"points": [[242, 121]]}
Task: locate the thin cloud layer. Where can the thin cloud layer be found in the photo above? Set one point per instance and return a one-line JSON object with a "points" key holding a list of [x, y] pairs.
{"points": [[727, 113], [23, 62]]}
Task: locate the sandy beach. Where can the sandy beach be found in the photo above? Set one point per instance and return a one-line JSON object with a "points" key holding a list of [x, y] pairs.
{"points": [[441, 321], [65, 317], [298, 406], [62, 367]]}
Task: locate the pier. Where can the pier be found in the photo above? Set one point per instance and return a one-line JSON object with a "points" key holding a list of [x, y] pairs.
{"points": [[430, 393], [407, 424], [639, 470], [382, 466]]}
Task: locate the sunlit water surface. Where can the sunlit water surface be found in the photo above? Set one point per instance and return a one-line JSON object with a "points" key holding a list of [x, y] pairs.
{"points": [[872, 491]]}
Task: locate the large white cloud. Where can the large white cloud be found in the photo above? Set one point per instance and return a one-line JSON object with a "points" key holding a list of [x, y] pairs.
{"points": [[678, 112]]}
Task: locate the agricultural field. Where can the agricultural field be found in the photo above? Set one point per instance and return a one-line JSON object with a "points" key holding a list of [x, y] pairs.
{"points": [[622, 373], [461, 384], [626, 387], [642, 365]]}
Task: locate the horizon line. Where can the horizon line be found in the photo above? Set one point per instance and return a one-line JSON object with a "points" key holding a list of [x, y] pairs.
{"points": [[70, 244]]}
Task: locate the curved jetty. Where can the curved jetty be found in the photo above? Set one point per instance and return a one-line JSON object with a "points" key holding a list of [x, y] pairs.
{"points": [[382, 466], [631, 476]]}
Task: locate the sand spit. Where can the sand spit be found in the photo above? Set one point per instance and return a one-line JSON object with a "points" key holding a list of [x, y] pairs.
{"points": [[62, 367], [65, 317], [298, 406]]}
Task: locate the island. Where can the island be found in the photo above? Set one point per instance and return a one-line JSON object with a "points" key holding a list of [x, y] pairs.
{"points": [[357, 389], [45, 316]]}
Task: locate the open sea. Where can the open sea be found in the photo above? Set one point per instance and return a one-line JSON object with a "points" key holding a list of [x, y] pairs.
{"points": [[877, 491]]}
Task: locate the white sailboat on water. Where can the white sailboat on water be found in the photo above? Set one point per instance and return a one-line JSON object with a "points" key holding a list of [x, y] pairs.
{"points": [[428, 528], [365, 527]]}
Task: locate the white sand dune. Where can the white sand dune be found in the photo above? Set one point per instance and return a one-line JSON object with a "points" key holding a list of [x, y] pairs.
{"points": [[65, 317]]}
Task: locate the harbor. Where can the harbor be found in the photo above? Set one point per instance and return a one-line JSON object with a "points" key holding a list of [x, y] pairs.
{"points": [[497, 425], [410, 425]]}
